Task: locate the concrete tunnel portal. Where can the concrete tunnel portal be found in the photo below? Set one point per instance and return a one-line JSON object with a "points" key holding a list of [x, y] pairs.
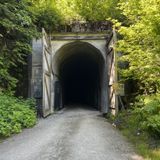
{"points": [[79, 70]]}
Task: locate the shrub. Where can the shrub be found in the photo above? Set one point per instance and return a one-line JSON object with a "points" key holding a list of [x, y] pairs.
{"points": [[144, 116], [148, 112], [15, 114]]}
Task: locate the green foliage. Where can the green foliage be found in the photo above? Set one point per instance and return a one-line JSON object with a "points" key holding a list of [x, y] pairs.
{"points": [[46, 14], [96, 10], [16, 32], [140, 43], [148, 112], [91, 10], [144, 116], [15, 114], [31, 102], [51, 13], [141, 124], [68, 10]]}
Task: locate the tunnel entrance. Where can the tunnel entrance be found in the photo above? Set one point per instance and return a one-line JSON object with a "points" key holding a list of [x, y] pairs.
{"points": [[79, 69], [74, 68], [79, 77]]}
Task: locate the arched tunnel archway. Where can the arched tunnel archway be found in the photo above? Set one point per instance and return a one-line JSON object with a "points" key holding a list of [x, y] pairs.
{"points": [[79, 71]]}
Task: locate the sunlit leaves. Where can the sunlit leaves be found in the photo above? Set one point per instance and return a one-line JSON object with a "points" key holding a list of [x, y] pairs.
{"points": [[140, 44], [97, 10]]}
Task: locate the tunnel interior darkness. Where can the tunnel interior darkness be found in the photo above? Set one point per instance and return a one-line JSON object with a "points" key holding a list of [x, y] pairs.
{"points": [[80, 71]]}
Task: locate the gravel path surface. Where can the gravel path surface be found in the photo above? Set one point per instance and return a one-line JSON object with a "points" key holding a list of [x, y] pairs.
{"points": [[71, 134]]}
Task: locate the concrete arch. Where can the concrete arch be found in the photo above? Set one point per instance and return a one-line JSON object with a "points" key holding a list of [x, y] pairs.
{"points": [[67, 49], [90, 63]]}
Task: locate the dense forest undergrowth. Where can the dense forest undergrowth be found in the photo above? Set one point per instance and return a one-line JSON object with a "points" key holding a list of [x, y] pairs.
{"points": [[137, 23]]}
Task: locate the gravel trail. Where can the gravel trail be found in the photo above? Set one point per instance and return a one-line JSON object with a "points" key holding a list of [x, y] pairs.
{"points": [[72, 134]]}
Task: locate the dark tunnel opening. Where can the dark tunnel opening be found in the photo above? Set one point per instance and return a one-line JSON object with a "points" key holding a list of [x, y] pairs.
{"points": [[80, 75], [80, 80]]}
